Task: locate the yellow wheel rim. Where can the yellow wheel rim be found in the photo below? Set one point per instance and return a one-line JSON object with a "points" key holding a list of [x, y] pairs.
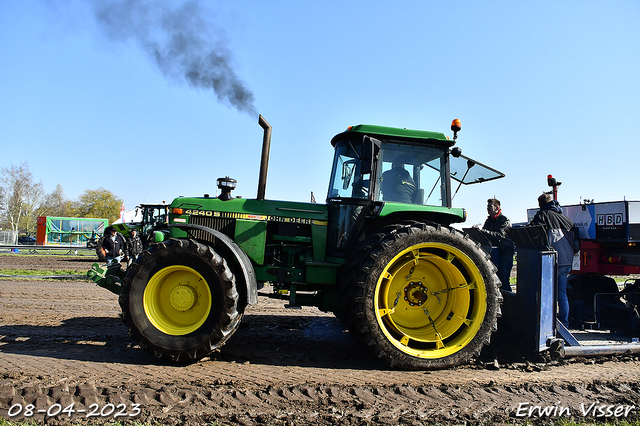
{"points": [[177, 300], [430, 300]]}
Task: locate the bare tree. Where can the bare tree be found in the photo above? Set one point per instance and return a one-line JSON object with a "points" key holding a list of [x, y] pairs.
{"points": [[55, 204], [20, 198]]}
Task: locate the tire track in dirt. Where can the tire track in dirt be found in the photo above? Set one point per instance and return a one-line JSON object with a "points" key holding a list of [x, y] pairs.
{"points": [[196, 403], [63, 342]]}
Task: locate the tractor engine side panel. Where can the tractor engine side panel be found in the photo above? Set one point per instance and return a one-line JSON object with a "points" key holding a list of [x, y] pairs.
{"points": [[286, 242]]}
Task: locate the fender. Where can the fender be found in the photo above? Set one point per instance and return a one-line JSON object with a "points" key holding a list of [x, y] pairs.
{"points": [[240, 259]]}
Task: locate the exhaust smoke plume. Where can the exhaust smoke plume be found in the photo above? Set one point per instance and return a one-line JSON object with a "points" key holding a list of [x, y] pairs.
{"points": [[180, 41]]}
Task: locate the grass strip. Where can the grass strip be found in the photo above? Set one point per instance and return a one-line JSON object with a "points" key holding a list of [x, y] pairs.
{"points": [[40, 272]]}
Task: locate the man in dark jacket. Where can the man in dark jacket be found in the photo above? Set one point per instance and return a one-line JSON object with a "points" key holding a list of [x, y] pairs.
{"points": [[495, 229], [397, 185], [134, 246], [560, 237], [113, 245]]}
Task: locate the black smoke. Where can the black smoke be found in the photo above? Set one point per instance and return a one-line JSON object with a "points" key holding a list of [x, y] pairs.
{"points": [[180, 41]]}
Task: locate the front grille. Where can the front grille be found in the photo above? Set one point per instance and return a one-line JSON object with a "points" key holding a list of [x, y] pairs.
{"points": [[225, 225]]}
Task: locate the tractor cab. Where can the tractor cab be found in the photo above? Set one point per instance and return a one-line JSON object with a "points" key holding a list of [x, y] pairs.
{"points": [[153, 215], [376, 165]]}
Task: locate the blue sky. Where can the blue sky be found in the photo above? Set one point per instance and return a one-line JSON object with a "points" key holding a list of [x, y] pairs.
{"points": [[541, 87]]}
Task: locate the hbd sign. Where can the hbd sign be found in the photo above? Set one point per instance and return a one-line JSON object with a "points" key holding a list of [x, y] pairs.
{"points": [[609, 219]]}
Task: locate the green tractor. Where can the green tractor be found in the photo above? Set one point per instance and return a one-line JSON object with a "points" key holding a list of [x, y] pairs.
{"points": [[154, 218], [417, 293]]}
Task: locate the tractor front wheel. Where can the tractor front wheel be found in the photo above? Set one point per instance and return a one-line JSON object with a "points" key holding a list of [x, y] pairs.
{"points": [[179, 300], [422, 296]]}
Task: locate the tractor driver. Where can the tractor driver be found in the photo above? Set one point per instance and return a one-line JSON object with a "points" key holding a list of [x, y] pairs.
{"points": [[396, 184]]}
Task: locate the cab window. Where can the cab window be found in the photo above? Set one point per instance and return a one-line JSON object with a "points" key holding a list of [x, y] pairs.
{"points": [[347, 180], [410, 174]]}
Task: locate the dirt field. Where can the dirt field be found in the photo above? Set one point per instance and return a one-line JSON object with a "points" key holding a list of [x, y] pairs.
{"points": [[62, 343]]}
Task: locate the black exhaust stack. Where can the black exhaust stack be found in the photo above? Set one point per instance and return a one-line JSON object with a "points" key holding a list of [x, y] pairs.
{"points": [[264, 163]]}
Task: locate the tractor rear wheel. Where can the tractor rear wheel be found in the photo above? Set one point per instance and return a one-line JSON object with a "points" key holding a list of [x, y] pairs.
{"points": [[179, 300], [422, 296]]}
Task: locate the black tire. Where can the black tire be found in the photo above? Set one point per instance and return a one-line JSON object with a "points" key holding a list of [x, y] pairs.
{"points": [[421, 297], [179, 300]]}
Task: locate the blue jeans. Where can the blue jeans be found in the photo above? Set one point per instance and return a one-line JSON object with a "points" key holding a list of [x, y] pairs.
{"points": [[563, 300], [111, 260]]}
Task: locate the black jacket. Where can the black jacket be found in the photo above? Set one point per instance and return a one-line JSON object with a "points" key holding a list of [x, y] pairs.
{"points": [[552, 217], [134, 245], [496, 231], [112, 248], [559, 231], [397, 185]]}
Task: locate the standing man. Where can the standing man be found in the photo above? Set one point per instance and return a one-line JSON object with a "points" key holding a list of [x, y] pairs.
{"points": [[561, 238], [113, 245], [134, 244], [495, 229]]}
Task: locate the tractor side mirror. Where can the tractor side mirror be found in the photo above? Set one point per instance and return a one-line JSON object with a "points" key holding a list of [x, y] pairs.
{"points": [[370, 152]]}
